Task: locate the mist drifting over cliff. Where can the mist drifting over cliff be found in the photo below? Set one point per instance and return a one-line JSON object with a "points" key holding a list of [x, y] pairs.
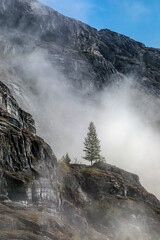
{"points": [[125, 116], [67, 74]]}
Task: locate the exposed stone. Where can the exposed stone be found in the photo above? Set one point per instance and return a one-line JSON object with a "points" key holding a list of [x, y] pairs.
{"points": [[10, 111], [115, 206], [97, 57]]}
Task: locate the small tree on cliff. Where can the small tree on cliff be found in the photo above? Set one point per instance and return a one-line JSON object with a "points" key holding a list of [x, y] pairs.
{"points": [[66, 159], [92, 145]]}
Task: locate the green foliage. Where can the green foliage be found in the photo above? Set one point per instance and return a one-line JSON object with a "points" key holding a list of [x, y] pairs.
{"points": [[92, 145], [66, 159]]}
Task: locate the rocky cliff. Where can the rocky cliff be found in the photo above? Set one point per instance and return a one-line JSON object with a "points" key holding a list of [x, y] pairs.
{"points": [[43, 199], [96, 57], [40, 199], [27, 165], [105, 202]]}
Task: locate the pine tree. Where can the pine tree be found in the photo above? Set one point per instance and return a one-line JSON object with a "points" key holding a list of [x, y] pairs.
{"points": [[92, 145], [66, 159]]}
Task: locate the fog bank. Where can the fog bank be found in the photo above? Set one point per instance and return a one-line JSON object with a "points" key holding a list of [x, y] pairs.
{"points": [[126, 118]]}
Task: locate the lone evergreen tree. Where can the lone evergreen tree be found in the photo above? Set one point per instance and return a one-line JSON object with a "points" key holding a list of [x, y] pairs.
{"points": [[66, 159], [92, 145]]}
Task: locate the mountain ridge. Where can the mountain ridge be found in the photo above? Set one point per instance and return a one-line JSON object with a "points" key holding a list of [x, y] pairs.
{"points": [[96, 48]]}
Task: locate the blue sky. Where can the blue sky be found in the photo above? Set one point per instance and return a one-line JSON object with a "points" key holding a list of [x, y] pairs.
{"points": [[138, 19]]}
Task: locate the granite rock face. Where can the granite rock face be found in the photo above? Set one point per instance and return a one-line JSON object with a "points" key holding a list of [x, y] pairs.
{"points": [[23, 155], [13, 113], [96, 57]]}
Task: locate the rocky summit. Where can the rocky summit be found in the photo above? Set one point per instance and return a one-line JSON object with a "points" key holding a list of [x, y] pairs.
{"points": [[95, 57], [40, 197]]}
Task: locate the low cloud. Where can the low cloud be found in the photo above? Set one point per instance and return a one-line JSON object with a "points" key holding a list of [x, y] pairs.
{"points": [[136, 9], [126, 118]]}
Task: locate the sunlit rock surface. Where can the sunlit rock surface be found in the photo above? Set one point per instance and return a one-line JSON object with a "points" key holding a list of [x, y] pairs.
{"points": [[96, 57]]}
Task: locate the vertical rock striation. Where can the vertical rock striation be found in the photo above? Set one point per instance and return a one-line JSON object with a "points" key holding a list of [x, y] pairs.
{"points": [[26, 161]]}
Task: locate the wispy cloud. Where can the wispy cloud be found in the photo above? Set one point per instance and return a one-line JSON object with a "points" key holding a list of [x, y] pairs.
{"points": [[133, 9], [136, 9]]}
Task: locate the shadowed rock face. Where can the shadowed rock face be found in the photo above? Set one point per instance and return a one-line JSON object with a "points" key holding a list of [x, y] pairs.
{"points": [[79, 202], [40, 200], [24, 157], [107, 202], [10, 111]]}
